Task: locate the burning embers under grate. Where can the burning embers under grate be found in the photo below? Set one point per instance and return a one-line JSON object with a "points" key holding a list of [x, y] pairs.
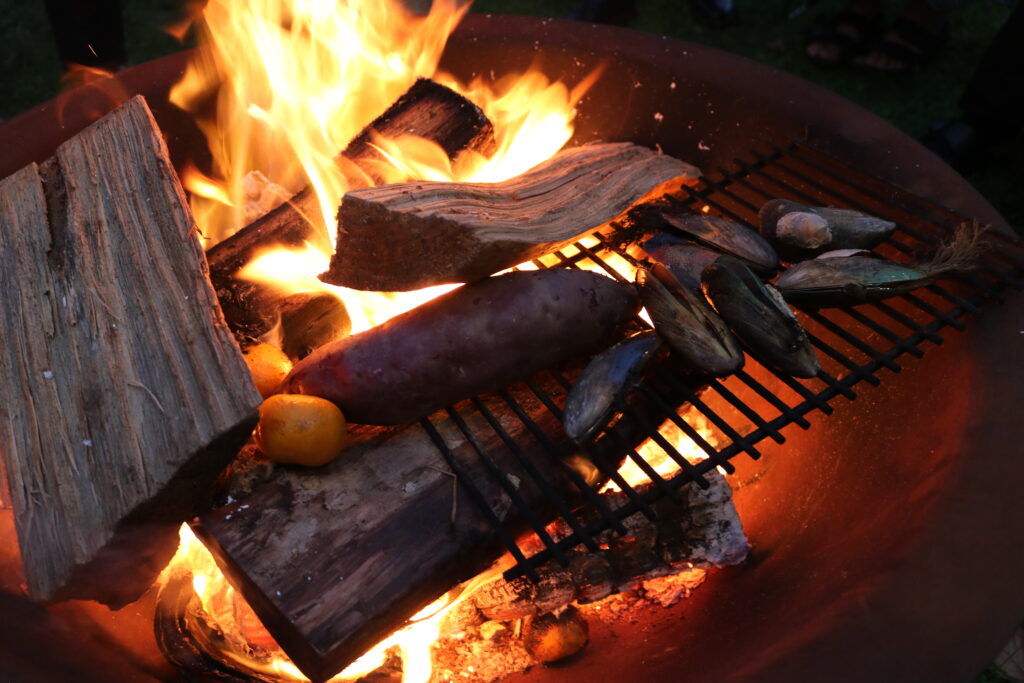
{"points": [[754, 404]]}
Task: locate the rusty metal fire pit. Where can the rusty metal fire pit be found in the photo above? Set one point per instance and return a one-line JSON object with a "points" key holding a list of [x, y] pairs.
{"points": [[886, 540]]}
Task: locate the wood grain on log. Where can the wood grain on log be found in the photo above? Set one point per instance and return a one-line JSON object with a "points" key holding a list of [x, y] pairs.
{"points": [[122, 393], [428, 110], [411, 235], [333, 559]]}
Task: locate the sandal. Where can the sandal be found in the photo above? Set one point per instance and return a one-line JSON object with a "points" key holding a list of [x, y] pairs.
{"points": [[905, 46], [847, 32]]}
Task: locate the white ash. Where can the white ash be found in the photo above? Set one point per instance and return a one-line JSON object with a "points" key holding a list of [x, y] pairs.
{"points": [[475, 649]]}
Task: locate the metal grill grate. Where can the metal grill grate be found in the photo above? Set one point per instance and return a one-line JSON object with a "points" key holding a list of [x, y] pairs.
{"points": [[854, 344]]}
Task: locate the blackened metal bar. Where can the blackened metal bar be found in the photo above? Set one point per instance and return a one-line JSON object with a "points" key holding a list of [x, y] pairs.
{"points": [[703, 195], [843, 360], [907, 322], [854, 341], [901, 342], [550, 493], [770, 396], [553, 450], [746, 410], [867, 322], [799, 388], [947, 317], [685, 427], [612, 472], [655, 435], [466, 483], [510, 490], [694, 399]]}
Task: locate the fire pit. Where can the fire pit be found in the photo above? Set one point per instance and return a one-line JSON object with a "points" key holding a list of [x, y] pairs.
{"points": [[871, 529]]}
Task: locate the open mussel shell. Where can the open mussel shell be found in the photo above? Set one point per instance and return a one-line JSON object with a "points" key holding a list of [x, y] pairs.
{"points": [[609, 376], [694, 332], [685, 259], [800, 231], [723, 236], [848, 281], [760, 318]]}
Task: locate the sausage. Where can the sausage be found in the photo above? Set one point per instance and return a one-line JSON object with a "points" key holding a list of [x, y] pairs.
{"points": [[477, 338]]}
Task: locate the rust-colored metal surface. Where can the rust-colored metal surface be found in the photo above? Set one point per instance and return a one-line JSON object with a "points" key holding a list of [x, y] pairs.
{"points": [[887, 540]]}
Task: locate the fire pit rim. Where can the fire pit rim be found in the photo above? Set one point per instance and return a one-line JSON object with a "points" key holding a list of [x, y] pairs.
{"points": [[63, 117]]}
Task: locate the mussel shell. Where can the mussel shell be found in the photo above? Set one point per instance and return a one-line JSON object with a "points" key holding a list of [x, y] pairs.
{"points": [[610, 375], [847, 281], [727, 237], [686, 260], [799, 231], [759, 317], [694, 332]]}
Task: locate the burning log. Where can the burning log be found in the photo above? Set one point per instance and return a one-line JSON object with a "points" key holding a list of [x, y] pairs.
{"points": [[411, 235], [333, 559], [114, 410], [428, 110]]}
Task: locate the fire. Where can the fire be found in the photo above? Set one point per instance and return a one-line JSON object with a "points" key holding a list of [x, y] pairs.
{"points": [[293, 82], [223, 606]]}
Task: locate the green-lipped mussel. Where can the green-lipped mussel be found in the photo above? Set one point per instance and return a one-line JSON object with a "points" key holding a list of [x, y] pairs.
{"points": [[694, 332], [609, 376], [799, 231], [685, 259], [759, 316], [716, 233]]}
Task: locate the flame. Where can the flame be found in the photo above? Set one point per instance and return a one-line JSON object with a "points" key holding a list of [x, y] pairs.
{"points": [[295, 80], [240, 625], [659, 459]]}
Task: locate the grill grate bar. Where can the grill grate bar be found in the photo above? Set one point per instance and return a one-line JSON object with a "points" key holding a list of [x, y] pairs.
{"points": [[746, 410], [694, 400], [855, 341], [508, 487], [465, 481], [843, 336], [549, 491]]}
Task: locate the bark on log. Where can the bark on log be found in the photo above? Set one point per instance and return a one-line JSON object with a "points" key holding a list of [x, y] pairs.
{"points": [[122, 393], [333, 559], [411, 235], [428, 110]]}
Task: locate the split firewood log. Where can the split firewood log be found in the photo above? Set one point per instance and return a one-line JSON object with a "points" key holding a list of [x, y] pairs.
{"points": [[332, 559], [411, 235], [428, 110], [122, 393]]}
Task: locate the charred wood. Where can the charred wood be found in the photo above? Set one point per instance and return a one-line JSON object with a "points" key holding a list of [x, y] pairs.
{"points": [[122, 393], [332, 559], [411, 235], [428, 110]]}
